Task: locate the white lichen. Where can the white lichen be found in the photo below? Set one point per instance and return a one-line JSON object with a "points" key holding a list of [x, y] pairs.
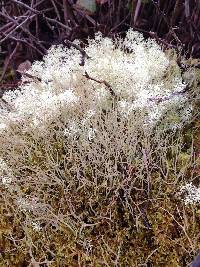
{"points": [[191, 192], [135, 69]]}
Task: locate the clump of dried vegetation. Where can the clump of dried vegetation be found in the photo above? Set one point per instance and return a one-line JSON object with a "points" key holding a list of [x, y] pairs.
{"points": [[95, 147]]}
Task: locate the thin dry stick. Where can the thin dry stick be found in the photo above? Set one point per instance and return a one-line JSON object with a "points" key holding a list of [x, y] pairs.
{"points": [[65, 11], [5, 26], [182, 227], [172, 95], [28, 75], [56, 9], [18, 19], [137, 9], [82, 51], [118, 25], [58, 22], [26, 6], [101, 82], [68, 13], [166, 21], [23, 29], [27, 43], [16, 28], [8, 61], [160, 40], [94, 22]]}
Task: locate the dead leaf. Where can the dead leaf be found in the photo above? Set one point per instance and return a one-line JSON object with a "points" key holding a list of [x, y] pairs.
{"points": [[88, 5], [24, 67]]}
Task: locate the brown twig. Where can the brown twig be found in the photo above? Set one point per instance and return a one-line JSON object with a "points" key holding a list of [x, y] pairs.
{"points": [[26, 6], [59, 23], [8, 61], [163, 15], [5, 26], [161, 41], [18, 25], [65, 11], [28, 44], [101, 82], [28, 75], [166, 98], [84, 14], [68, 13], [82, 51], [25, 30], [56, 10]]}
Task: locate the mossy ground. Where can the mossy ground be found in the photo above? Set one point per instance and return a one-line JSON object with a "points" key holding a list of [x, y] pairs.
{"points": [[157, 230]]}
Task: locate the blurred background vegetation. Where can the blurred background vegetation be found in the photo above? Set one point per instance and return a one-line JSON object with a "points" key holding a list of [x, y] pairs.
{"points": [[29, 27]]}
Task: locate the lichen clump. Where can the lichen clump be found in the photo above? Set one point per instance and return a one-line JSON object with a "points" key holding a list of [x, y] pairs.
{"points": [[91, 146], [136, 69]]}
